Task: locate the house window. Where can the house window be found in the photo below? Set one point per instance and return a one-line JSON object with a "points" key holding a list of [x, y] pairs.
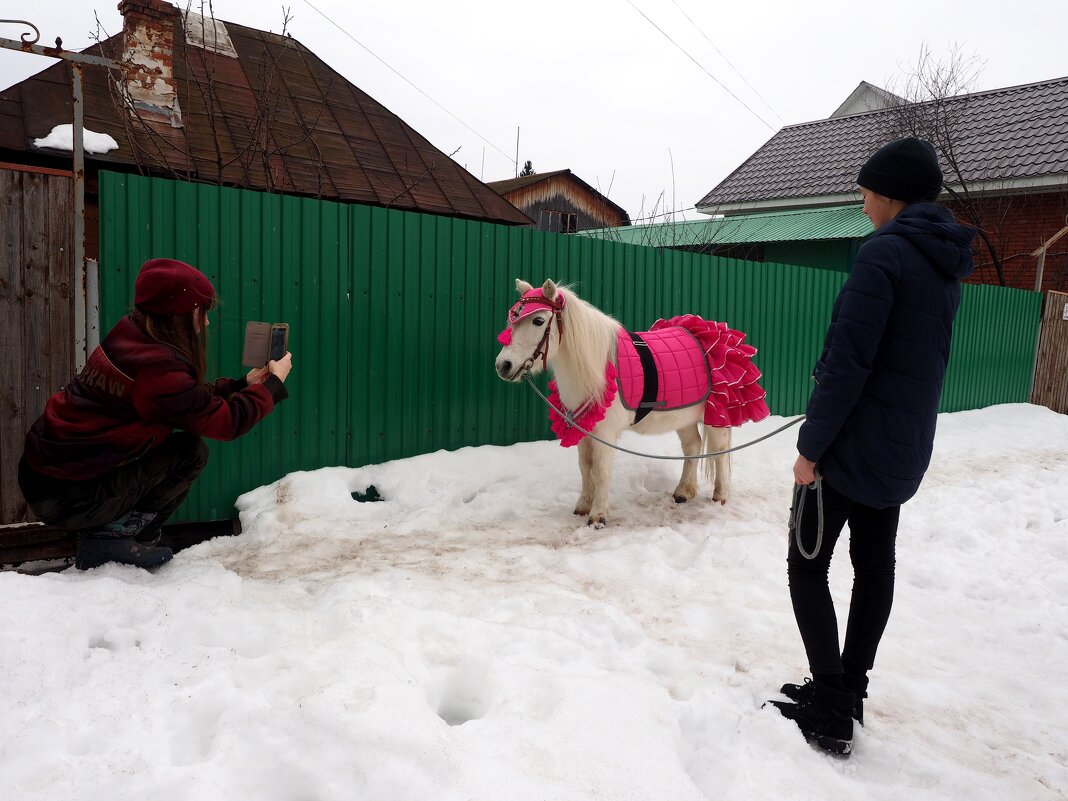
{"points": [[561, 222]]}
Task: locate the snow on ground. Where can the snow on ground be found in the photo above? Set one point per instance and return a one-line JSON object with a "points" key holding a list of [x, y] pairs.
{"points": [[469, 638]]}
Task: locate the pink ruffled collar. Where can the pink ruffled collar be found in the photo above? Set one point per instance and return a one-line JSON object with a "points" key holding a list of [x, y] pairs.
{"points": [[587, 416]]}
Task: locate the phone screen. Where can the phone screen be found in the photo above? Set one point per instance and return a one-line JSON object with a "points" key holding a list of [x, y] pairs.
{"points": [[279, 336]]}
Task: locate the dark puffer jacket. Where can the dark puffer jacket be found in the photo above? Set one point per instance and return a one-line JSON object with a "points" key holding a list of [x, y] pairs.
{"points": [[871, 419]]}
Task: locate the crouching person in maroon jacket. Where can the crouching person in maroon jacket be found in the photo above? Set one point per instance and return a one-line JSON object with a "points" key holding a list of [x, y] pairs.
{"points": [[104, 459]]}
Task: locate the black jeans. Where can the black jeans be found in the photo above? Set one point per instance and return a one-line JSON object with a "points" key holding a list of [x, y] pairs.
{"points": [[157, 482], [872, 536]]}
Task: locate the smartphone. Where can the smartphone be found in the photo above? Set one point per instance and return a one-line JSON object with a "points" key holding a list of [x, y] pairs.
{"points": [[279, 341], [264, 342]]}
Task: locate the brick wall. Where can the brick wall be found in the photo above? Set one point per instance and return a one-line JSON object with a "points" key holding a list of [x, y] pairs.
{"points": [[1016, 226]]}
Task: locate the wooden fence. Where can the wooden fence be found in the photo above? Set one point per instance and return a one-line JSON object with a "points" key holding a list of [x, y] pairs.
{"points": [[1051, 363], [37, 294]]}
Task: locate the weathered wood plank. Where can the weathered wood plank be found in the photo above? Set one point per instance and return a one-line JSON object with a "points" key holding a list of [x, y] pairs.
{"points": [[61, 282], [34, 265], [12, 346], [1051, 364]]}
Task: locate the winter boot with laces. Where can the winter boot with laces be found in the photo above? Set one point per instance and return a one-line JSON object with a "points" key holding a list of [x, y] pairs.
{"points": [[802, 692], [859, 685], [116, 542], [824, 714]]}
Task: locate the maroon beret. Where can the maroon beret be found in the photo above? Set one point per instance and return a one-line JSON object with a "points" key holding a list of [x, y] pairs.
{"points": [[166, 286]]}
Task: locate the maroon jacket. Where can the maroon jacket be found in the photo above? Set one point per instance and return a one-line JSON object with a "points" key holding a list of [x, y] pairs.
{"points": [[131, 394]]}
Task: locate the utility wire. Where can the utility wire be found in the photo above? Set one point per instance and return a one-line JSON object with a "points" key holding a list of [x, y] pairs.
{"points": [[405, 79], [736, 70], [700, 65], [637, 220]]}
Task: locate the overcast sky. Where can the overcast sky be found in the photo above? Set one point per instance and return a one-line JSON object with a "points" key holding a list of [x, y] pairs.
{"points": [[653, 102]]}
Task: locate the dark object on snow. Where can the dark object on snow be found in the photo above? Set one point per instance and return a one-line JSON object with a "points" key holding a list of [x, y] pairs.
{"points": [[369, 496]]}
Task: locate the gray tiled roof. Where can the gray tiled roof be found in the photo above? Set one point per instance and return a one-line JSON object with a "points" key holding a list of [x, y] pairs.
{"points": [[1019, 132]]}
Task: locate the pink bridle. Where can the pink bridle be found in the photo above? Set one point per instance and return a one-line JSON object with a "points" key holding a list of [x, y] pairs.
{"points": [[531, 301]]}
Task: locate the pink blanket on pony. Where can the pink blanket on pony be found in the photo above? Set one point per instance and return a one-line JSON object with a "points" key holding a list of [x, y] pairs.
{"points": [[697, 361]]}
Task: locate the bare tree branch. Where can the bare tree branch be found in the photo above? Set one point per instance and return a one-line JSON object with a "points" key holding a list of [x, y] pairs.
{"points": [[934, 104], [409, 187]]}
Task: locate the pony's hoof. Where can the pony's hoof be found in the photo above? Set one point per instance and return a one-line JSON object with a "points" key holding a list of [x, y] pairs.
{"points": [[596, 522], [722, 501], [680, 498], [580, 511]]}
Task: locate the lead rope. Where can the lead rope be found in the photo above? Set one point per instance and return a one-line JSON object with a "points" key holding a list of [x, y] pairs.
{"points": [[569, 418], [798, 509]]}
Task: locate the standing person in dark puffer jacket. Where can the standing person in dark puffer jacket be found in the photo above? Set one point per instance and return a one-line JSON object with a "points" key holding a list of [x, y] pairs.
{"points": [[869, 430], [104, 459]]}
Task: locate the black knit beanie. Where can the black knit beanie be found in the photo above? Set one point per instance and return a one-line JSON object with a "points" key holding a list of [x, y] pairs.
{"points": [[905, 169]]}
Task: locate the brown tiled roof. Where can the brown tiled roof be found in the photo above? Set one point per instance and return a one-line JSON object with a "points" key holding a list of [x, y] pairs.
{"points": [[326, 138], [1019, 132]]}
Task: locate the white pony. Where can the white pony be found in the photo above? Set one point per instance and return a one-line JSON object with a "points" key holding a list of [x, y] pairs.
{"points": [[583, 350]]}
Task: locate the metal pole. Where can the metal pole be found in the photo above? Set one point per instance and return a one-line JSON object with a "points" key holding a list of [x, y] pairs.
{"points": [[28, 44], [92, 305], [80, 353], [1038, 270]]}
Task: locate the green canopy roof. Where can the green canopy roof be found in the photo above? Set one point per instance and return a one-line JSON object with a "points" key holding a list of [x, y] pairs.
{"points": [[838, 222]]}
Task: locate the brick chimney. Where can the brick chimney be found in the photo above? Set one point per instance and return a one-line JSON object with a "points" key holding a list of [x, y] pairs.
{"points": [[148, 54]]}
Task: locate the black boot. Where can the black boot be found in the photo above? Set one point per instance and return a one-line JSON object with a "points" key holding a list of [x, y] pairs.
{"points": [[802, 692], [129, 525], [150, 535], [824, 714], [116, 542], [858, 683], [95, 550]]}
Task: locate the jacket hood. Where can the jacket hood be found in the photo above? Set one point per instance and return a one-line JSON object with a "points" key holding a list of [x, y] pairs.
{"points": [[931, 228]]}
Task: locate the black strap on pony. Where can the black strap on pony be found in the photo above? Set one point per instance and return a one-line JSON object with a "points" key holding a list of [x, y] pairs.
{"points": [[649, 376]]}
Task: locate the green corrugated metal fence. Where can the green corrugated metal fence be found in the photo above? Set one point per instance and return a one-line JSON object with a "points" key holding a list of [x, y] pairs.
{"points": [[394, 317], [995, 339], [826, 254]]}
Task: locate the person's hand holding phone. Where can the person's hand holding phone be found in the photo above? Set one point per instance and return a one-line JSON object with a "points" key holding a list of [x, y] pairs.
{"points": [[257, 375], [281, 367]]}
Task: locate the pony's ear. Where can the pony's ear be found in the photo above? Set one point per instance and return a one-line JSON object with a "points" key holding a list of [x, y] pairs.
{"points": [[522, 286], [549, 289]]}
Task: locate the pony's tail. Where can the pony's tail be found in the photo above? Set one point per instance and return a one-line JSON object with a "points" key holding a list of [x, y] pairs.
{"points": [[716, 439]]}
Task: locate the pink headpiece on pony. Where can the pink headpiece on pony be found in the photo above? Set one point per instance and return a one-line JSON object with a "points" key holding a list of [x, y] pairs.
{"points": [[531, 301]]}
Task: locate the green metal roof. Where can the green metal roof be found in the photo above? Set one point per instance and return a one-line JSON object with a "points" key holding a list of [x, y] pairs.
{"points": [[838, 222]]}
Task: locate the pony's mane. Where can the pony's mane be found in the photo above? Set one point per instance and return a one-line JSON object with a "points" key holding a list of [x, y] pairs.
{"points": [[589, 341]]}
